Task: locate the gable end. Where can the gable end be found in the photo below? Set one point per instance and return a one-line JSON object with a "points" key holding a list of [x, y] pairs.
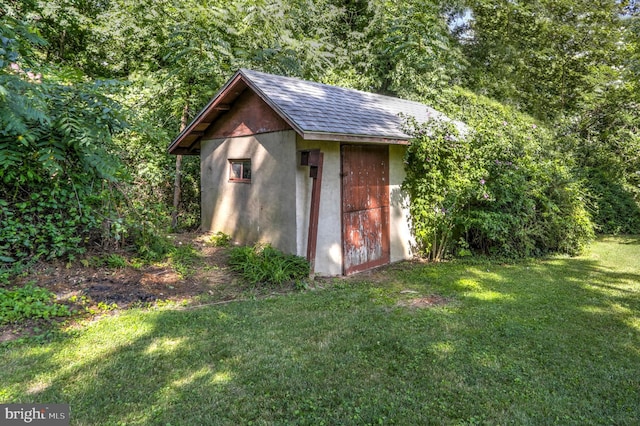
{"points": [[249, 115]]}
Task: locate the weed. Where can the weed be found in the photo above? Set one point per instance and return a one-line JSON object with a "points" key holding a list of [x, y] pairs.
{"points": [[220, 239], [183, 258], [107, 306], [267, 265], [115, 261], [29, 302], [152, 246]]}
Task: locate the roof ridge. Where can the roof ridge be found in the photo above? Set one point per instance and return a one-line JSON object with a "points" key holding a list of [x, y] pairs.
{"points": [[246, 71]]}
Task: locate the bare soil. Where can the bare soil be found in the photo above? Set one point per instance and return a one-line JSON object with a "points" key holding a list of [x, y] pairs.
{"points": [[97, 290], [93, 291], [129, 285]]}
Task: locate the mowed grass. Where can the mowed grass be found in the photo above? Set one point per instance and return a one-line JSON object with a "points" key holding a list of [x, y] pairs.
{"points": [[540, 342]]}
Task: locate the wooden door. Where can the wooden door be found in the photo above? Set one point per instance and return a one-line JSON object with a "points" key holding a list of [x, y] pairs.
{"points": [[365, 207]]}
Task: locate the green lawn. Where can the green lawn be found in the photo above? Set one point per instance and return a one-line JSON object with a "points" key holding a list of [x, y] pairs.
{"points": [[541, 342]]}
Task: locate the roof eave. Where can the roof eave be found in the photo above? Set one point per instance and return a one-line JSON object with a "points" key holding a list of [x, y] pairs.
{"points": [[203, 112], [343, 137]]}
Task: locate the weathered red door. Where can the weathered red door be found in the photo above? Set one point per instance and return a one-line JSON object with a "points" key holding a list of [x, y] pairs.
{"points": [[365, 207]]}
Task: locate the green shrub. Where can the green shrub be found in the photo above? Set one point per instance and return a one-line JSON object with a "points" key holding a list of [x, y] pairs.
{"points": [[615, 209], [263, 264], [115, 261], [29, 302], [502, 187], [220, 239], [151, 245]]}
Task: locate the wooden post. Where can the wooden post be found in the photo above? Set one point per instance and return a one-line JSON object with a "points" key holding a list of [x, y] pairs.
{"points": [[315, 172]]}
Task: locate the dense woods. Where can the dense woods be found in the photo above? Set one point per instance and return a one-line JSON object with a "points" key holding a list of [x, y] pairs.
{"points": [[93, 91]]}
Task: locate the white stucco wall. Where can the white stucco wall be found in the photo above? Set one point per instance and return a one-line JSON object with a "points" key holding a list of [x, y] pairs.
{"points": [[400, 235], [275, 206], [329, 243], [263, 210]]}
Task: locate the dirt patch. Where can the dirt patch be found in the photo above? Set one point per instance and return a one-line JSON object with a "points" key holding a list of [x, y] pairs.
{"points": [[424, 302], [128, 285], [92, 290]]}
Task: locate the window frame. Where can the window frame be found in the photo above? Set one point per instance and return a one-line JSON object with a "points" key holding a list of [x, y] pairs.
{"points": [[243, 162]]}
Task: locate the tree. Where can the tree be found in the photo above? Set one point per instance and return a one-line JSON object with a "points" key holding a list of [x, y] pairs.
{"points": [[56, 134], [537, 55], [400, 48]]}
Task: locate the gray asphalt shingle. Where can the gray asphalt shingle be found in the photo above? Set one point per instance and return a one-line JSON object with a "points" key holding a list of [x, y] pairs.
{"points": [[320, 108]]}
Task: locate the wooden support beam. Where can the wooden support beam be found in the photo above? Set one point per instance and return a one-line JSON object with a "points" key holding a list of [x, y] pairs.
{"points": [[315, 171]]}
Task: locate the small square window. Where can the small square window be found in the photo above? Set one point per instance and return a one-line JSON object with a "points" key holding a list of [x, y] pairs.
{"points": [[240, 170]]}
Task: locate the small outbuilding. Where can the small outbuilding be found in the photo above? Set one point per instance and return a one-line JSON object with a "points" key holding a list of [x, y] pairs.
{"points": [[313, 169]]}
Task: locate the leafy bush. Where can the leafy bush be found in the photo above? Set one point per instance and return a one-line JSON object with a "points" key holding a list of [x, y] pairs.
{"points": [[150, 243], [29, 302], [66, 183], [56, 166], [441, 180], [267, 265], [615, 209], [502, 187], [603, 141]]}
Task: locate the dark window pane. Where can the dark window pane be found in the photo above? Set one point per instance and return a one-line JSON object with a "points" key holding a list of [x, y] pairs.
{"points": [[246, 170]]}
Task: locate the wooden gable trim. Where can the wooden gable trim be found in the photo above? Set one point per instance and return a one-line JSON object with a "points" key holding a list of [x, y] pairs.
{"points": [[188, 142], [250, 115]]}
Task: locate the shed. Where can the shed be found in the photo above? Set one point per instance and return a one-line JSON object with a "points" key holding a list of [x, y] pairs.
{"points": [[313, 169]]}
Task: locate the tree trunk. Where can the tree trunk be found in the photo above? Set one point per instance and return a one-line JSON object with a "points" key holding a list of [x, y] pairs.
{"points": [[177, 192]]}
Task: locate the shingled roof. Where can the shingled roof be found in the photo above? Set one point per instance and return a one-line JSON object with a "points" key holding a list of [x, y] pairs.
{"points": [[313, 110]]}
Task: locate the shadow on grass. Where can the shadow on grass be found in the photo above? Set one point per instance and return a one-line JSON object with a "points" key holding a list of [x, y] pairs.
{"points": [[546, 342], [621, 239]]}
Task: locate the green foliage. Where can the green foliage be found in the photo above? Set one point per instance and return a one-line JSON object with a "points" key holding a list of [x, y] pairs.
{"points": [[44, 224], [29, 302], [502, 188], [66, 183], [537, 56], [574, 65], [183, 258], [603, 140], [442, 179], [144, 231], [220, 239], [402, 48], [615, 205], [265, 265], [115, 261], [55, 140], [411, 48]]}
